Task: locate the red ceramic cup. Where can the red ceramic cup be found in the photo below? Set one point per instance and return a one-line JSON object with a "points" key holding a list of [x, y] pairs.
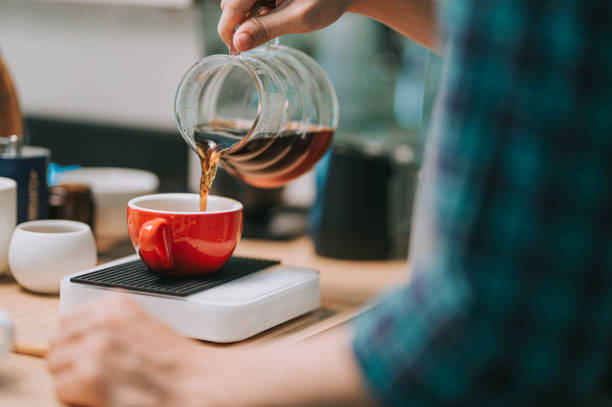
{"points": [[172, 236]]}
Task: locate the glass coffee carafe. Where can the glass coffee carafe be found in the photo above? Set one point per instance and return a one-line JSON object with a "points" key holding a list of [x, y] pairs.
{"points": [[270, 113]]}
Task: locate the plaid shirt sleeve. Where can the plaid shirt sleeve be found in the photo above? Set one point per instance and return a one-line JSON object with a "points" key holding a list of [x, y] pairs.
{"points": [[510, 299]]}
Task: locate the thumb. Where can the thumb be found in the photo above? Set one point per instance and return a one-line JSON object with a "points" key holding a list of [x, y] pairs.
{"points": [[260, 29]]}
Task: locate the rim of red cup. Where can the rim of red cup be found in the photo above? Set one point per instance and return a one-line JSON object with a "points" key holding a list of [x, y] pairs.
{"points": [[135, 204]]}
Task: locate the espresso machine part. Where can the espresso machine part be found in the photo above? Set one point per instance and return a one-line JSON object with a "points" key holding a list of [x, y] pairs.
{"points": [[364, 203], [266, 215]]}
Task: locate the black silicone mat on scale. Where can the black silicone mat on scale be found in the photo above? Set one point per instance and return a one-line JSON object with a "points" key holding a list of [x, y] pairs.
{"points": [[135, 276]]}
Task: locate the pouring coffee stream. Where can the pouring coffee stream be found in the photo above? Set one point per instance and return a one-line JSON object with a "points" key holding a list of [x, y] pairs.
{"points": [[209, 158]]}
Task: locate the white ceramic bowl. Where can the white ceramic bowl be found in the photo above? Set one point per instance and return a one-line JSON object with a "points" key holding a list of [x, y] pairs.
{"points": [[43, 251], [112, 188]]}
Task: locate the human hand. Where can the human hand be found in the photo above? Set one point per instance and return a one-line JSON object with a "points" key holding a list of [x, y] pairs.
{"points": [[289, 17], [114, 353]]}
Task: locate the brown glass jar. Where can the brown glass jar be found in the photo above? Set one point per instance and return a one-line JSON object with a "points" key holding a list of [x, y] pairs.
{"points": [[72, 202]]}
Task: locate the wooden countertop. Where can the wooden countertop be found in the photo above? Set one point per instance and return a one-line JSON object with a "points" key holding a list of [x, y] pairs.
{"points": [[346, 286]]}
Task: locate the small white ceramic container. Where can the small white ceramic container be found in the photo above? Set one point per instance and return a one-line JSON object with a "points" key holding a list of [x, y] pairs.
{"points": [[6, 333], [43, 251], [112, 189], [8, 217]]}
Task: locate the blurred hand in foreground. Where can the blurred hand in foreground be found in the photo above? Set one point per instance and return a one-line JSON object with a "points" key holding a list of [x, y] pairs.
{"points": [[114, 353]]}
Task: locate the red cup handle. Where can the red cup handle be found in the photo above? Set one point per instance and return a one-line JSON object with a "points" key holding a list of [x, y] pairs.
{"points": [[155, 239]]}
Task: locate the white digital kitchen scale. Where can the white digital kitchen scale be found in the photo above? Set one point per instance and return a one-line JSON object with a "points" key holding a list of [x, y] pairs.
{"points": [[245, 298]]}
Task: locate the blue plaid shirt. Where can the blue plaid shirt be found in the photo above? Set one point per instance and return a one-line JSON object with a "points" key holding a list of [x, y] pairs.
{"points": [[510, 298]]}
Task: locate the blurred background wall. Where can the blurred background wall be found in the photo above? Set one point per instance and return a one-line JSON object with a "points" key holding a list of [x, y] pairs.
{"points": [[97, 63], [96, 79]]}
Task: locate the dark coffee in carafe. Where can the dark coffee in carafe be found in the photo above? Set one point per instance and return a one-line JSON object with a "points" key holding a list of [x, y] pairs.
{"points": [[263, 160]]}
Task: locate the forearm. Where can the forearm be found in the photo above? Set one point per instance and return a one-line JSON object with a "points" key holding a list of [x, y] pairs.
{"points": [[319, 371], [416, 19]]}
